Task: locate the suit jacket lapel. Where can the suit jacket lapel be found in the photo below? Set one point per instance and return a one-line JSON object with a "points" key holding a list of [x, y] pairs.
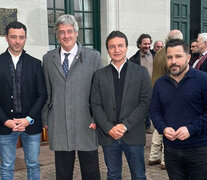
{"points": [[111, 82], [57, 61]]}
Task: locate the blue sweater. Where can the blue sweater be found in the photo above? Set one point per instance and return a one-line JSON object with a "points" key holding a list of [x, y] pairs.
{"points": [[182, 105]]}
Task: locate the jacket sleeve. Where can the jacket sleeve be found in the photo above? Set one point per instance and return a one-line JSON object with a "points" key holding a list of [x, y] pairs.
{"points": [[199, 125]]}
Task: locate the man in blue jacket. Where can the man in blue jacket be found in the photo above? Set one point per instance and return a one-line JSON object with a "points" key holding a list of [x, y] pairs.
{"points": [[179, 112]]}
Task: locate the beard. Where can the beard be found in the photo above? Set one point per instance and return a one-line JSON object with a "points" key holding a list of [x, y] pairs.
{"points": [[179, 69]]}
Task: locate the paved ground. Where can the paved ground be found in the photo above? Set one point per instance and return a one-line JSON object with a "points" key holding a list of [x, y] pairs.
{"points": [[48, 170]]}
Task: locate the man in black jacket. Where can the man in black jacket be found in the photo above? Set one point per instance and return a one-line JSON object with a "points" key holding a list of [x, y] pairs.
{"points": [[22, 96]]}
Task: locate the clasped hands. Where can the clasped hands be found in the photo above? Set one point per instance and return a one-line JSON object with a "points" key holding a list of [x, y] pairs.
{"points": [[17, 124], [182, 133], [117, 131]]}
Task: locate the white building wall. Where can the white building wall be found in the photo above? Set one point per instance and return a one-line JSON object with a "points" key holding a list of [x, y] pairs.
{"points": [[33, 14], [134, 17]]}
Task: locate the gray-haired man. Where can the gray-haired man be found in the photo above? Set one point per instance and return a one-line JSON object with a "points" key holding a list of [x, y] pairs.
{"points": [[68, 72]]}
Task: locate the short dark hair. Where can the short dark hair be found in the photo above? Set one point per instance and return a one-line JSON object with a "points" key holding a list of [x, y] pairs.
{"points": [[15, 25], [178, 42], [143, 36], [194, 40], [114, 34]]}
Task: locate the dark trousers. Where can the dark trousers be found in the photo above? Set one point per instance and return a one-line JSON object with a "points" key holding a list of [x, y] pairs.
{"points": [[186, 164], [89, 165]]}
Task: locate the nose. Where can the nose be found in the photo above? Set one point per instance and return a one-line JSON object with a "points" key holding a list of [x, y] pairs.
{"points": [[173, 60], [116, 49], [17, 40]]}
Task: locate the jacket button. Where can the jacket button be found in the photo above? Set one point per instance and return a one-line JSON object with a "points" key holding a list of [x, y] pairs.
{"points": [[12, 97], [12, 110]]}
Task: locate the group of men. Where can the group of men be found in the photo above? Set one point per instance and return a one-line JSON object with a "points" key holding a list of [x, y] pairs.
{"points": [[77, 96]]}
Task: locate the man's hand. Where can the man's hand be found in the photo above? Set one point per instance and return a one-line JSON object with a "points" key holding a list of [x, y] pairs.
{"points": [[182, 133], [10, 124], [117, 131], [170, 133], [21, 123], [121, 128], [92, 126]]}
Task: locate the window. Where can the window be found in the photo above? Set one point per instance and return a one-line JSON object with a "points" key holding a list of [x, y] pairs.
{"points": [[180, 15], [87, 14]]}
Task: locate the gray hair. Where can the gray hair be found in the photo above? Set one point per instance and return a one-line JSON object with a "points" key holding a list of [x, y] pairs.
{"points": [[67, 19], [174, 34], [203, 36]]}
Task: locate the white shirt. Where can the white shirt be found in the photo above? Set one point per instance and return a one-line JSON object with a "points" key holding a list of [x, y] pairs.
{"points": [[71, 57], [15, 59]]}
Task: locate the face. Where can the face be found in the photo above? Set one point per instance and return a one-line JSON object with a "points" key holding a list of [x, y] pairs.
{"points": [[16, 39], [67, 36], [117, 49], [158, 46], [177, 61], [145, 45], [202, 45], [194, 47]]}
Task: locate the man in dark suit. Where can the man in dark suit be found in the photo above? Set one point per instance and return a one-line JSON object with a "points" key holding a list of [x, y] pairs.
{"points": [[120, 98], [22, 96]]}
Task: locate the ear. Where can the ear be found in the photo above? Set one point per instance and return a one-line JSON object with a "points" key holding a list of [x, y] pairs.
{"points": [[188, 57]]}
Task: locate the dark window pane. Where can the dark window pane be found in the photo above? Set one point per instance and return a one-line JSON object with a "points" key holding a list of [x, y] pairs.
{"points": [[88, 36], [79, 19], [88, 23], [51, 36], [80, 36], [59, 4], [78, 5], [87, 5], [50, 16], [50, 4]]}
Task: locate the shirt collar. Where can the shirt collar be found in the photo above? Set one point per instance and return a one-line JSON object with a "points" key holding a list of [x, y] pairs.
{"points": [[73, 51], [120, 68], [204, 53], [14, 57]]}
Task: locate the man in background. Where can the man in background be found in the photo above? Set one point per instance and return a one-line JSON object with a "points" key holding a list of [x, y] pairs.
{"points": [[158, 45]]}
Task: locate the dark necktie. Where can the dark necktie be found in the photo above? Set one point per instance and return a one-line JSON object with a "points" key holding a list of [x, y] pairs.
{"points": [[65, 64]]}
